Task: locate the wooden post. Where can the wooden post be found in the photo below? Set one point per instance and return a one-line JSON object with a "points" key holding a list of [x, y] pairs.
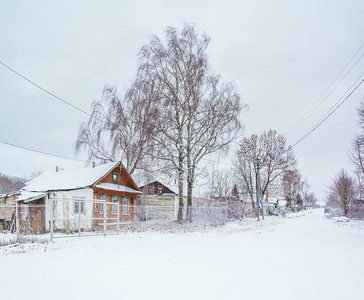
{"points": [[51, 218], [146, 213], [105, 212], [17, 218], [79, 218], [118, 220]]}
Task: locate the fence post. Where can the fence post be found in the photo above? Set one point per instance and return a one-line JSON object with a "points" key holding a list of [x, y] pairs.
{"points": [[79, 218], [118, 220], [146, 213], [205, 215], [105, 211], [51, 218], [17, 218]]}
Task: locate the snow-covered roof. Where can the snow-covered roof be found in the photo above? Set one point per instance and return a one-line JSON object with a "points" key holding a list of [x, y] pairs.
{"points": [[30, 196], [9, 194], [69, 179], [115, 187]]}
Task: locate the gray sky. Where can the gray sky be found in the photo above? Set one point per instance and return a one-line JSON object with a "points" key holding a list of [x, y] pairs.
{"points": [[281, 54]]}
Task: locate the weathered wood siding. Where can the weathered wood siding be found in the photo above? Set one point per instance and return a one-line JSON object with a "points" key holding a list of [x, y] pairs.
{"points": [[158, 200], [123, 218], [155, 188]]}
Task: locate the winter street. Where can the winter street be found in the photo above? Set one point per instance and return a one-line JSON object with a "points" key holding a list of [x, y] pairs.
{"points": [[306, 257], [143, 143]]}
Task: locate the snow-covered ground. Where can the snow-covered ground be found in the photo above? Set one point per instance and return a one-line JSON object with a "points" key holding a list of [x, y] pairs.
{"points": [[305, 257]]}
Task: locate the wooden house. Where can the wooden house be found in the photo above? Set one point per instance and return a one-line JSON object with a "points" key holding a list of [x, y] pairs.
{"points": [[156, 188], [7, 210], [79, 196]]}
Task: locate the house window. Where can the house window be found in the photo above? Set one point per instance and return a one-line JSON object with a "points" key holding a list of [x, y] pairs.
{"points": [[104, 198], [79, 206], [115, 177], [24, 212], [115, 205], [125, 211]]}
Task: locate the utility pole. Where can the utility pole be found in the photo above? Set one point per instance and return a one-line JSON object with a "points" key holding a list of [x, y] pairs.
{"points": [[295, 193], [258, 190]]}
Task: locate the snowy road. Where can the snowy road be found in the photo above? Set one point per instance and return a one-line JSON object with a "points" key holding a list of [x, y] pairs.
{"points": [[307, 257]]}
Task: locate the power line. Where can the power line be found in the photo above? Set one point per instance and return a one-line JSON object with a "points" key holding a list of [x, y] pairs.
{"points": [[329, 94], [315, 106], [58, 98], [327, 116], [356, 81], [44, 90], [37, 151]]}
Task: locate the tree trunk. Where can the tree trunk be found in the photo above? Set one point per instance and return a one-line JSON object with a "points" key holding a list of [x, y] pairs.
{"points": [[180, 191], [189, 201], [189, 180]]}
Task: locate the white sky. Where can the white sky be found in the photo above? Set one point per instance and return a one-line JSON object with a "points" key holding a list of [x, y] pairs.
{"points": [[281, 54]]}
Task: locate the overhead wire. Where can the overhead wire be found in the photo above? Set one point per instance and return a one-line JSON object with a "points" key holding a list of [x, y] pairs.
{"points": [[315, 106], [37, 151], [53, 95], [45, 90], [336, 106], [84, 112], [331, 111]]}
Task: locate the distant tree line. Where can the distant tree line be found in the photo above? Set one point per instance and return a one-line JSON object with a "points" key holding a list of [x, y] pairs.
{"points": [[10, 183]]}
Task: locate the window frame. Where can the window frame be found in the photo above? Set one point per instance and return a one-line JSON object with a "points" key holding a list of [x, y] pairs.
{"points": [[103, 197], [77, 201], [115, 204], [115, 177], [125, 207]]}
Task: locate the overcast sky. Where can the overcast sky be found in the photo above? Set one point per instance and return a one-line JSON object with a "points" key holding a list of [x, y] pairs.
{"points": [[281, 54]]}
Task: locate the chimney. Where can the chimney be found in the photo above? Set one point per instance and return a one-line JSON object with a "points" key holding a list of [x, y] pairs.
{"points": [[93, 164], [56, 168]]}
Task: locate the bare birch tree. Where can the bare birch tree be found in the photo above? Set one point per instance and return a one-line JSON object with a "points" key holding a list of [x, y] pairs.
{"points": [[212, 124], [291, 186], [199, 114], [121, 128]]}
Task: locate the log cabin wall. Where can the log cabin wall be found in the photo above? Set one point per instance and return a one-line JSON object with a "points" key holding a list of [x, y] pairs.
{"points": [[123, 178], [123, 216]]}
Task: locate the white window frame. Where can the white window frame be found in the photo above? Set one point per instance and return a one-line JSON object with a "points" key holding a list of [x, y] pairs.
{"points": [[106, 198], [125, 210], [115, 204], [76, 207]]}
